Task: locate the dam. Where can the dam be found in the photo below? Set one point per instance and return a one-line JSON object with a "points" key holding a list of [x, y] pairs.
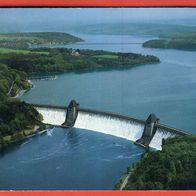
{"points": [[146, 133]]}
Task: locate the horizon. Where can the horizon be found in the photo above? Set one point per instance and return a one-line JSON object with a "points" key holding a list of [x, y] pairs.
{"points": [[45, 19]]}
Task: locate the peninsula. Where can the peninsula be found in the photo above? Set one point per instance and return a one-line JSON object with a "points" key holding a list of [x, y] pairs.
{"points": [[26, 40], [180, 41], [16, 51], [62, 60]]}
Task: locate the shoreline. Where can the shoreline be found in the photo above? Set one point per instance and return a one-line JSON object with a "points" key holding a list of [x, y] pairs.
{"points": [[21, 92], [23, 134], [121, 184], [96, 69], [31, 133]]}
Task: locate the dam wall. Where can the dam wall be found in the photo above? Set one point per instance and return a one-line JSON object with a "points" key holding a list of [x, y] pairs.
{"points": [[109, 123]]}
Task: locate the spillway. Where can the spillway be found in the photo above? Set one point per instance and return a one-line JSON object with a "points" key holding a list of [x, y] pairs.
{"points": [[123, 128], [159, 135], [52, 116]]}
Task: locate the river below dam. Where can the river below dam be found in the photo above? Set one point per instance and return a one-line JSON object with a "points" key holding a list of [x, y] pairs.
{"points": [[76, 159]]}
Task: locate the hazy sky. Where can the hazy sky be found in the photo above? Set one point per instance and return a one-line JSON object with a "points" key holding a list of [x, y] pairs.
{"points": [[11, 18]]}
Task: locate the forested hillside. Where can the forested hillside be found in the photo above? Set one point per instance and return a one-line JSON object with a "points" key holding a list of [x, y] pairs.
{"points": [[181, 41], [17, 118], [62, 59], [173, 168], [11, 81]]}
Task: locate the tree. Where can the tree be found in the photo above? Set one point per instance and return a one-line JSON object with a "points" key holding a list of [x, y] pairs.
{"points": [[172, 168]]}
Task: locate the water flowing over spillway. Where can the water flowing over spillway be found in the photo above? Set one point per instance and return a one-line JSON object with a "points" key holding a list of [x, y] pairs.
{"points": [[160, 134], [108, 123], [127, 129], [52, 116]]}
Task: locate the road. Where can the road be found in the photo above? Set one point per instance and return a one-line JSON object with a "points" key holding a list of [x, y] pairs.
{"points": [[125, 181]]}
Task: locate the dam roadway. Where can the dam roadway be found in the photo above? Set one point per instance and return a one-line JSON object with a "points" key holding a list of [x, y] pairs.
{"points": [[146, 133]]}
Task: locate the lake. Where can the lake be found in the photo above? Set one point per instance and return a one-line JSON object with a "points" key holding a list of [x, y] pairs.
{"points": [[78, 159]]}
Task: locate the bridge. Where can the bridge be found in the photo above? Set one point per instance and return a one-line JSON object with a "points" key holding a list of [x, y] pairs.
{"points": [[146, 133]]}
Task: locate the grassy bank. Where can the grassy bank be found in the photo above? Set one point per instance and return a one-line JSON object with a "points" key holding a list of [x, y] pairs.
{"points": [[20, 51]]}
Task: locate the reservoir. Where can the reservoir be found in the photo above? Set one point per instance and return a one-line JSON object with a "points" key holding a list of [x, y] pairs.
{"points": [[76, 159], [167, 89]]}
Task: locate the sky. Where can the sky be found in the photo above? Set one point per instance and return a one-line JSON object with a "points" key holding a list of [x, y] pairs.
{"points": [[40, 18]]}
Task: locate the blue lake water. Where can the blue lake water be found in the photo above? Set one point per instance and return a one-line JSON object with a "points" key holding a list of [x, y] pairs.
{"points": [[80, 159], [70, 159], [168, 89]]}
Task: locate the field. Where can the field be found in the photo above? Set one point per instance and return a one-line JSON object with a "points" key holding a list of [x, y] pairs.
{"points": [[20, 51], [106, 56]]}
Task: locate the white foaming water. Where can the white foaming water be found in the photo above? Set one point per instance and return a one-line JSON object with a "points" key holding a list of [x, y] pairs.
{"points": [[52, 116], [109, 125], [160, 134], [127, 129], [50, 132]]}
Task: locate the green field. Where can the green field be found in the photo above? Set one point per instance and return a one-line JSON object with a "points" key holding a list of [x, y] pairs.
{"points": [[106, 56], [19, 51]]}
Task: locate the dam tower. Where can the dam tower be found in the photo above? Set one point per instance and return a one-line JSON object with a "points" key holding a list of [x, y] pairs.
{"points": [[71, 114], [149, 130]]}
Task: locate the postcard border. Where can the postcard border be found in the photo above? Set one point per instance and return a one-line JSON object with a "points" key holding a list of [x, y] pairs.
{"points": [[96, 3]]}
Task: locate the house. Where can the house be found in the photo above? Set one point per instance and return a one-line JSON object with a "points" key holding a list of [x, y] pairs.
{"points": [[75, 52]]}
